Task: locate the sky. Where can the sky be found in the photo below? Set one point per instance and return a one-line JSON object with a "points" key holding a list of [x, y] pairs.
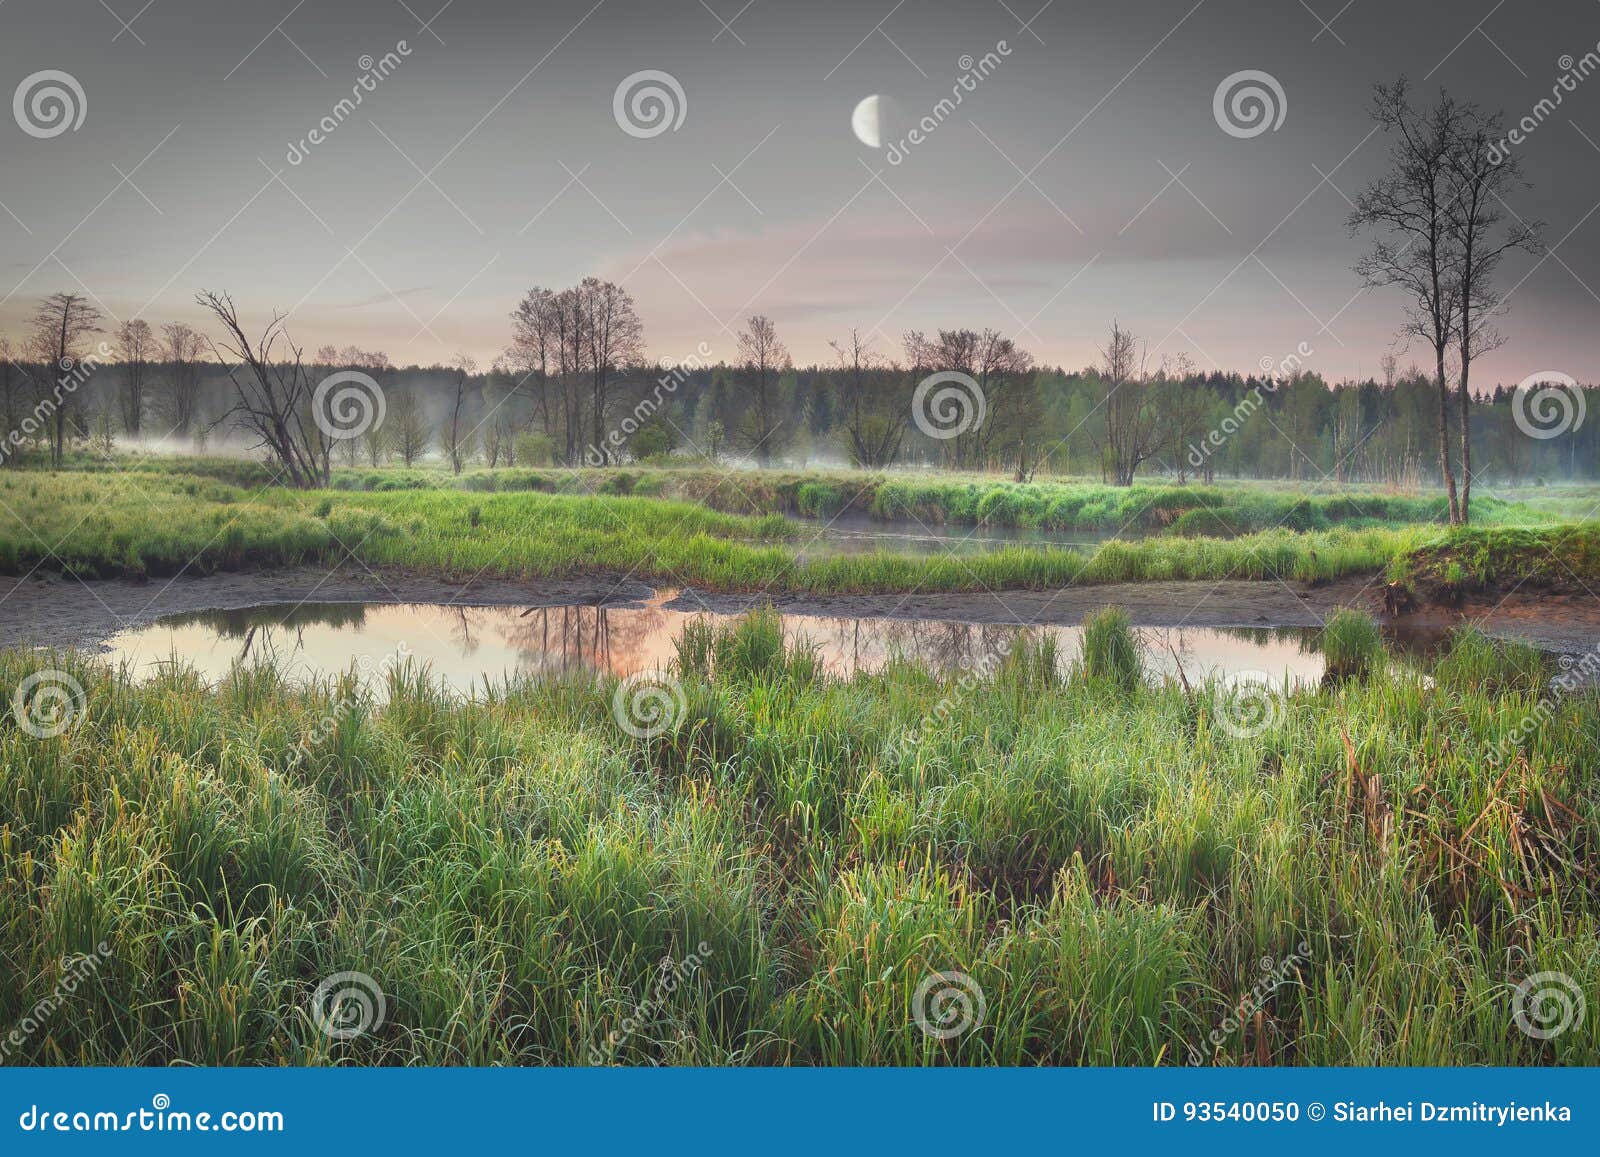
{"points": [[1086, 176]]}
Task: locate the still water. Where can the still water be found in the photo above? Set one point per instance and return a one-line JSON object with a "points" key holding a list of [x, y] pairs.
{"points": [[464, 646]]}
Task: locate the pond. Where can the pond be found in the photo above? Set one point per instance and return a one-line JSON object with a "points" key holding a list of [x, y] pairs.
{"points": [[465, 645]]}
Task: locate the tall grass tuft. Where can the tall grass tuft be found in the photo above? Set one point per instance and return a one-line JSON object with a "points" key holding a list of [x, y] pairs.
{"points": [[1110, 649], [1352, 645]]}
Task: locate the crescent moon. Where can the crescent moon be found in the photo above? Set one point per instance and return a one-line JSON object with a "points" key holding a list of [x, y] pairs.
{"points": [[867, 122]]}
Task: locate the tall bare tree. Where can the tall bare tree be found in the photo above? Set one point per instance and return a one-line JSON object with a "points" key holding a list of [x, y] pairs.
{"points": [[272, 393], [875, 416], [1416, 249], [533, 349], [765, 357], [456, 440], [136, 346], [615, 341], [1479, 178], [182, 349], [410, 438], [60, 325], [1132, 429]]}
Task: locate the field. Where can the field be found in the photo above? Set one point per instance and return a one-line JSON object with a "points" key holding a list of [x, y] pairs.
{"points": [[1121, 872], [1068, 860], [162, 522]]}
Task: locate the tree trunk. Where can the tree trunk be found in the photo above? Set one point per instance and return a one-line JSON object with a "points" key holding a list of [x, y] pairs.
{"points": [[1444, 439]]}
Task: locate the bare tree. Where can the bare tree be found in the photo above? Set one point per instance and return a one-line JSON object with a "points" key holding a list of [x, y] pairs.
{"points": [[1003, 373], [136, 345], [1410, 207], [615, 341], [59, 327], [12, 381], [410, 438], [874, 424], [533, 348], [273, 394], [455, 445], [1132, 425], [182, 348], [765, 357], [1479, 176]]}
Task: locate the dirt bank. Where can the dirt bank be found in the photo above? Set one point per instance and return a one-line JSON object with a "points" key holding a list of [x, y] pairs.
{"points": [[64, 612]]}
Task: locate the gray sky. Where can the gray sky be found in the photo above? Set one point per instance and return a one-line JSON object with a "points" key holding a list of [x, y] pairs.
{"points": [[1085, 178]]}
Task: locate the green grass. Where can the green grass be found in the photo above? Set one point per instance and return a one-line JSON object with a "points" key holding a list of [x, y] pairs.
{"points": [[1056, 504], [1110, 650], [1106, 862], [1352, 645], [161, 523]]}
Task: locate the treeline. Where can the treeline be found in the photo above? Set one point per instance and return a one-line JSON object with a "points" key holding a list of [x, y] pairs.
{"points": [[571, 390]]}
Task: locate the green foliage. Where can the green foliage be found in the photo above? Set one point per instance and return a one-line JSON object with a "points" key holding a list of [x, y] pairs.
{"points": [[1352, 645], [1110, 649], [511, 870]]}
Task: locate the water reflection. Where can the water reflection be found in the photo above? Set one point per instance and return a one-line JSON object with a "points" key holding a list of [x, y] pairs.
{"points": [[464, 646]]}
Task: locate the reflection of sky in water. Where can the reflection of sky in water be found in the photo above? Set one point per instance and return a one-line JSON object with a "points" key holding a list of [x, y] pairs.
{"points": [[465, 645]]}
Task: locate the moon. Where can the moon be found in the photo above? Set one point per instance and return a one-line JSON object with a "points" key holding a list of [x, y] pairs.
{"points": [[867, 121]]}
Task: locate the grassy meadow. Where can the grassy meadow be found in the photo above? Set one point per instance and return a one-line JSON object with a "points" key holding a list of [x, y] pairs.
{"points": [[1116, 866], [159, 521]]}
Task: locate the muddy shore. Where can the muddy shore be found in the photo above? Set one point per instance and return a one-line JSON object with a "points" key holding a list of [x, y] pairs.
{"points": [[52, 611]]}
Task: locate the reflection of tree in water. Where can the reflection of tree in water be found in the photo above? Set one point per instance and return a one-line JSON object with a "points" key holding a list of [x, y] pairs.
{"points": [[262, 630], [237, 623], [558, 640]]}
